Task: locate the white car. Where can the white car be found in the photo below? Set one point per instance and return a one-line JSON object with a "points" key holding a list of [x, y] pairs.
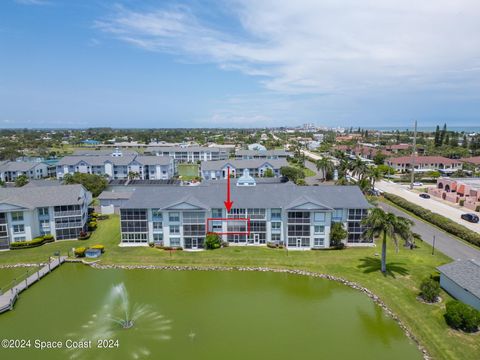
{"points": [[417, 184]]}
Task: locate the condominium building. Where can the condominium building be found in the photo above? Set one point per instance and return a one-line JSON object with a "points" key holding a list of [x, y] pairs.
{"points": [[214, 170], [10, 170], [118, 167], [424, 163], [261, 154], [298, 216], [28, 212], [189, 153]]}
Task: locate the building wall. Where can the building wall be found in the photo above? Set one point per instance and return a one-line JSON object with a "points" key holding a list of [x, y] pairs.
{"points": [[140, 227], [458, 292]]}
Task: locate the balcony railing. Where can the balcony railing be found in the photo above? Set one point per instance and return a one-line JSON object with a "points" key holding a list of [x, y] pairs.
{"points": [[68, 213]]}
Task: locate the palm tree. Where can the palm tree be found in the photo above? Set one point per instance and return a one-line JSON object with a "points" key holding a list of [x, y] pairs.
{"points": [[374, 174], [326, 165], [358, 168], [378, 222]]}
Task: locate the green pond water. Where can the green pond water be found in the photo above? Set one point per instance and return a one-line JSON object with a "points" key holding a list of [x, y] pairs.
{"points": [[199, 315]]}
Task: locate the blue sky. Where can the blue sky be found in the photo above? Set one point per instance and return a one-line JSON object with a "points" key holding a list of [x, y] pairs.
{"points": [[239, 63]]}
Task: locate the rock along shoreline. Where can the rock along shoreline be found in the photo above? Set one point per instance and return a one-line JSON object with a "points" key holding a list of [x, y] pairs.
{"points": [[348, 283]]}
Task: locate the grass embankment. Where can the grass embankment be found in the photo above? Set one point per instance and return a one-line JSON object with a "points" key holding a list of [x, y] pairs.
{"points": [[12, 276], [398, 289]]}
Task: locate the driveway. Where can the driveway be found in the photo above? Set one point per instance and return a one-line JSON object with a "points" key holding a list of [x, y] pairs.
{"points": [[432, 204], [445, 243], [317, 178]]}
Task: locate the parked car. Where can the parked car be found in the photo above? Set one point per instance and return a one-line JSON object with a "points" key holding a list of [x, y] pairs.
{"points": [[473, 218], [425, 196], [417, 184]]}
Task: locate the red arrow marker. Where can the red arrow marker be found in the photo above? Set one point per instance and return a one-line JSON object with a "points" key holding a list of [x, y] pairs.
{"points": [[228, 203]]}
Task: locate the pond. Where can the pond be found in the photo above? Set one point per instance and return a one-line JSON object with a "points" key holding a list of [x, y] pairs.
{"points": [[199, 315]]}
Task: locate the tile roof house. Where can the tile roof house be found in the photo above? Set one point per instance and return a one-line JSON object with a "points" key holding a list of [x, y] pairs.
{"points": [[424, 163]]}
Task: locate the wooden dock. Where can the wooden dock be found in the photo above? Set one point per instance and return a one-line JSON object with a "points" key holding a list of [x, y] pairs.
{"points": [[7, 300]]}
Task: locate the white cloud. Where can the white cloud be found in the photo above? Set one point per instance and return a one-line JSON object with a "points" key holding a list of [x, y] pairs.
{"points": [[329, 46]]}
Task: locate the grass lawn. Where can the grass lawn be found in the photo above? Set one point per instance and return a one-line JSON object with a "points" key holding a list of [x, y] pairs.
{"points": [[187, 171], [398, 289], [12, 276], [308, 172]]}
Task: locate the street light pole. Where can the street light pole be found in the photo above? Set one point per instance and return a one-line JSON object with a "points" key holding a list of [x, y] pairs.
{"points": [[414, 151], [433, 246]]}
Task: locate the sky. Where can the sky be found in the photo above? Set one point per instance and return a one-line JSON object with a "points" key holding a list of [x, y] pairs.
{"points": [[239, 63]]}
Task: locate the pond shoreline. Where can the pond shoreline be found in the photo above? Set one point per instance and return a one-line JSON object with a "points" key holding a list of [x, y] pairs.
{"points": [[343, 281]]}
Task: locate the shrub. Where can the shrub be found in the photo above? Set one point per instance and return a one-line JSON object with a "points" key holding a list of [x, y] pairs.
{"points": [[92, 225], [83, 235], [441, 221], [477, 208], [429, 289], [99, 247], [462, 316], [461, 202], [80, 251], [38, 241], [225, 244], [102, 217], [212, 241], [272, 245]]}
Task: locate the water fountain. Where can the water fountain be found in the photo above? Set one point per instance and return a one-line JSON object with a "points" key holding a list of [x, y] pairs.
{"points": [[118, 315]]}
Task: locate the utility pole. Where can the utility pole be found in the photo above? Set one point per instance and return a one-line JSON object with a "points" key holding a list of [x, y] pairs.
{"points": [[414, 153], [433, 247]]}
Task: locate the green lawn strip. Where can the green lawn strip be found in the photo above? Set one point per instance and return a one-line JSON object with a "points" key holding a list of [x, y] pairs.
{"points": [[12, 276], [188, 171], [398, 290], [386, 201]]}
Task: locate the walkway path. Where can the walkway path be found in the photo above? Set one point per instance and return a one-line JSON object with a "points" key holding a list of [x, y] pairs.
{"points": [[8, 299], [315, 179], [447, 244]]}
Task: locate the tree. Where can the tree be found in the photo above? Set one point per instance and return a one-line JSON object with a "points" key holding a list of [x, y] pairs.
{"points": [[337, 234], [93, 183], [358, 168], [132, 175], [292, 173], [326, 166], [21, 180], [268, 173], [379, 223], [213, 241], [374, 174], [436, 140], [379, 158]]}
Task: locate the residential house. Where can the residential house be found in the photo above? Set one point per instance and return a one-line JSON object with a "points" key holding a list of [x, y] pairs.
{"points": [[10, 170], [461, 190], [189, 153], [29, 212], [214, 170], [461, 280], [424, 163], [298, 216], [261, 154], [118, 167]]}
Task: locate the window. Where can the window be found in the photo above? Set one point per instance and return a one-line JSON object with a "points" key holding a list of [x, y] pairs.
{"points": [[17, 216], [174, 217], [319, 217], [276, 214], [338, 214], [319, 229], [217, 213], [157, 226], [299, 217], [18, 229], [174, 229], [157, 214], [43, 211], [319, 242], [276, 237], [19, 238], [276, 226], [157, 237], [175, 241], [256, 214], [194, 217]]}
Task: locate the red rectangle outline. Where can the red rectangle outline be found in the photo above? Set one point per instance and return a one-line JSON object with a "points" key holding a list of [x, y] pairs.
{"points": [[230, 232]]}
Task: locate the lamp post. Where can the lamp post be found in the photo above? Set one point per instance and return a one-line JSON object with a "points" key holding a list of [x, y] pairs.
{"points": [[433, 245]]}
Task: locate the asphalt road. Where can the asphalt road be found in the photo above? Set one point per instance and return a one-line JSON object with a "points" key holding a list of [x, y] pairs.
{"points": [[445, 243], [317, 178]]}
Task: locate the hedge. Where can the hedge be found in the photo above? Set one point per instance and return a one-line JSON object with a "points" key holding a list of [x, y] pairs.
{"points": [[80, 251], [38, 241], [441, 221], [99, 247], [461, 316]]}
